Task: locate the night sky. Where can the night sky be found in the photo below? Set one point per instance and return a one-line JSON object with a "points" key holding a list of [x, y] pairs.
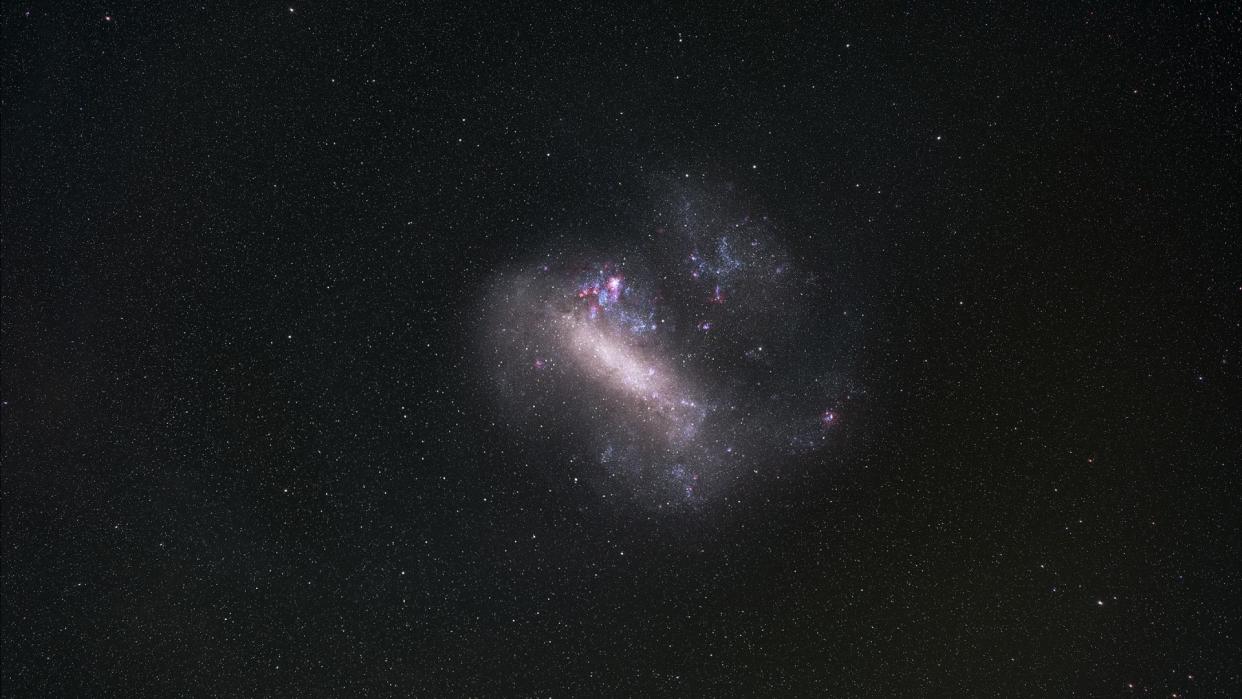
{"points": [[574, 351]]}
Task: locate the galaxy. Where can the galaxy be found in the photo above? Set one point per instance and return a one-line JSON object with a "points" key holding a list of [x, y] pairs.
{"points": [[680, 361]]}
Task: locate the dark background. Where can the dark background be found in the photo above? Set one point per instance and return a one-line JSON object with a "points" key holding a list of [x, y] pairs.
{"points": [[245, 445]]}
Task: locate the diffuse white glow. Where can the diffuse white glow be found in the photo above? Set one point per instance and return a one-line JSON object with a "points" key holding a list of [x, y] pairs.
{"points": [[610, 361]]}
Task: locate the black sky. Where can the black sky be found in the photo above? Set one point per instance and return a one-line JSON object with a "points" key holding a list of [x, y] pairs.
{"points": [[248, 446]]}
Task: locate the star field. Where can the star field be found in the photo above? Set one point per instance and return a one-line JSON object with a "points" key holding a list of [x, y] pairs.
{"points": [[599, 351]]}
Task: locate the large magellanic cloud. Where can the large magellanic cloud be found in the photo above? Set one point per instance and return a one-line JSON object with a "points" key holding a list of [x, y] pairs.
{"points": [[675, 361]]}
